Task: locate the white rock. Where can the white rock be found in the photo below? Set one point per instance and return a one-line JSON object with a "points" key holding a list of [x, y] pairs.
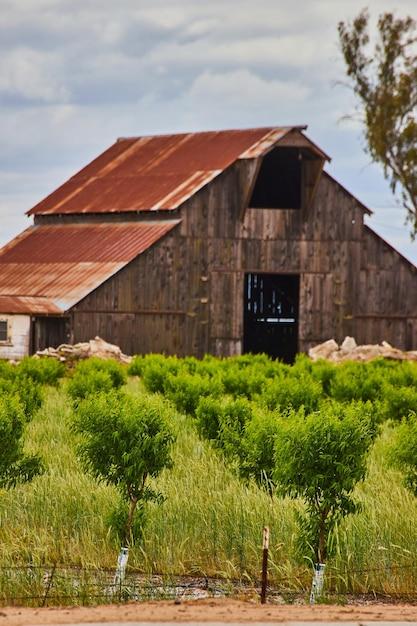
{"points": [[96, 347], [323, 350], [348, 344]]}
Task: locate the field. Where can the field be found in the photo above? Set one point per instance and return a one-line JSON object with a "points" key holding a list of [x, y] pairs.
{"points": [[211, 519]]}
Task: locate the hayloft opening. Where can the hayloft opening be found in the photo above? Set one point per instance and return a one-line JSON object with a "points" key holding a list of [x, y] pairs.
{"points": [[279, 181], [271, 306]]}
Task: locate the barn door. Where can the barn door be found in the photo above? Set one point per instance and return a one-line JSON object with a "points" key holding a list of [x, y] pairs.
{"points": [[49, 332], [271, 305]]}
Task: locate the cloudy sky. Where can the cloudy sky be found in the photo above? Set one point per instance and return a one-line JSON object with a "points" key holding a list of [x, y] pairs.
{"points": [[77, 74]]}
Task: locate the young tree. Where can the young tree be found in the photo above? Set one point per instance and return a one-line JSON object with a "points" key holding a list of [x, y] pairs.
{"points": [[15, 466], [320, 458], [125, 440], [404, 450], [385, 81]]}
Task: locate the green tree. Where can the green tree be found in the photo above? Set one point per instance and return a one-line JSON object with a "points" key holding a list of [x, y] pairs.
{"points": [[385, 81], [257, 456], [15, 466], [94, 375], [403, 452], [320, 458], [125, 440]]}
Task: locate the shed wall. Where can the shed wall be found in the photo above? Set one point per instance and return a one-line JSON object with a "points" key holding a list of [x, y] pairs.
{"points": [[19, 335]]}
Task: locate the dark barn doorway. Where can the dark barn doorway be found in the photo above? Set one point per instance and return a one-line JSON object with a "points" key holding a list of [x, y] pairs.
{"points": [[49, 332], [271, 305]]}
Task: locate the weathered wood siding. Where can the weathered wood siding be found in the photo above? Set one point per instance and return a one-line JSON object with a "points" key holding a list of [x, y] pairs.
{"points": [[386, 296], [185, 294], [153, 305]]}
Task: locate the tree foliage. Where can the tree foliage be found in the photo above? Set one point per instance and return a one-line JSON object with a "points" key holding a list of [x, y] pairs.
{"points": [[404, 450], [385, 81], [94, 375], [320, 458], [15, 466], [125, 441]]}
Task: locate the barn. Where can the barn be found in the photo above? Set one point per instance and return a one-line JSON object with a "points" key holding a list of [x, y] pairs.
{"points": [[218, 242]]}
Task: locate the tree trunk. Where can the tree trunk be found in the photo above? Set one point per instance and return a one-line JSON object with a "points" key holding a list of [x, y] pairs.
{"points": [[131, 514], [322, 544]]}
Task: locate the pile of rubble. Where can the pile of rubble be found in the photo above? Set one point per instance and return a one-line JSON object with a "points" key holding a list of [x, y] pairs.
{"points": [[96, 347], [350, 351]]}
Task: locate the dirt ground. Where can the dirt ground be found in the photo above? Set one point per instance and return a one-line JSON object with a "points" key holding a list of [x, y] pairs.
{"points": [[223, 610]]}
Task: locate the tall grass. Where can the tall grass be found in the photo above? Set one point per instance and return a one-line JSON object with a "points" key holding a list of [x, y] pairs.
{"points": [[59, 516], [210, 523]]}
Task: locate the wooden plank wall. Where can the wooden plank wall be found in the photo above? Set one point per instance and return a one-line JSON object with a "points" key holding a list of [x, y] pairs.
{"points": [[155, 304], [321, 243], [185, 294], [386, 304]]}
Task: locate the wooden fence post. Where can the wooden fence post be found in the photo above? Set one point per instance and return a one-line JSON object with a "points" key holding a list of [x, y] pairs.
{"points": [[265, 547]]}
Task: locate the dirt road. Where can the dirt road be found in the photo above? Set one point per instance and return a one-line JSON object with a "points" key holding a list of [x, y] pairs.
{"points": [[222, 610]]}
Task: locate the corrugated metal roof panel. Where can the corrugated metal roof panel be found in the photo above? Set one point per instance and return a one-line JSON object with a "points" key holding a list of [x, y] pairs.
{"points": [[76, 243], [265, 143], [63, 263], [161, 172], [28, 305]]}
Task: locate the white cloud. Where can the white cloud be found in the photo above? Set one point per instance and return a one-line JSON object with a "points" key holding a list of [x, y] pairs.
{"points": [[243, 88], [75, 75], [287, 51], [31, 75]]}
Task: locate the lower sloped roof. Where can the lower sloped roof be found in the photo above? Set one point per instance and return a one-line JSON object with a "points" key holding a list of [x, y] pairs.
{"points": [[48, 269]]}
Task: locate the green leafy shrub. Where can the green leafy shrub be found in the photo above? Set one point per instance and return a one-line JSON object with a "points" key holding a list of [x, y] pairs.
{"points": [[125, 441], [208, 414], [94, 375], [141, 365], [249, 360], [26, 390], [399, 373], [135, 367], [116, 371], [403, 453], [43, 371], [208, 366], [30, 394], [223, 422], [156, 370], [243, 382], [357, 381], [258, 447], [191, 365], [15, 465], [185, 390], [293, 393], [7, 370], [82, 384], [398, 402], [324, 372], [234, 417]]}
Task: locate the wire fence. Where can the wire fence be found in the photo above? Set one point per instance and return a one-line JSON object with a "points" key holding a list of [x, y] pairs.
{"points": [[53, 585], [64, 585]]}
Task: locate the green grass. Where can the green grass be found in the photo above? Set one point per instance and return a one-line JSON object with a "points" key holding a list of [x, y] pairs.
{"points": [[210, 523]]}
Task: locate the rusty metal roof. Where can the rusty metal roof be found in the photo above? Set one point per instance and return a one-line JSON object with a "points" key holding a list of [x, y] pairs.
{"points": [[48, 269], [157, 173], [28, 305]]}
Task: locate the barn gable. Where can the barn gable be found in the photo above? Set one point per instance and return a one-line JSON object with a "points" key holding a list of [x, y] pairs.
{"points": [[160, 173]]}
